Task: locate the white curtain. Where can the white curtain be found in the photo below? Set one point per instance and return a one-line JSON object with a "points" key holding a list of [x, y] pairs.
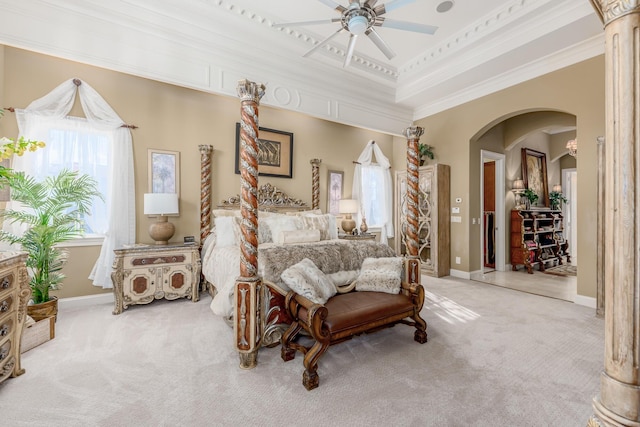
{"points": [[367, 159], [121, 209]]}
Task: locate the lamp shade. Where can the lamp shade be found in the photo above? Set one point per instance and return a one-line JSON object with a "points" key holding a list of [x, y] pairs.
{"points": [[161, 204], [557, 188], [518, 184], [348, 206]]}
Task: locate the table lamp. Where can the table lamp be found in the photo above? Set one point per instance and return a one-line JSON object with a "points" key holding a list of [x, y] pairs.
{"points": [[348, 207], [161, 204]]}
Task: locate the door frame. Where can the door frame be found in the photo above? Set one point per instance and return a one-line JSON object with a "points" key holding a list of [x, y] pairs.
{"points": [[500, 239]]}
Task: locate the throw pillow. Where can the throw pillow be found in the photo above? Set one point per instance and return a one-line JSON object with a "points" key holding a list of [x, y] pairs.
{"points": [[300, 236], [305, 279], [227, 231], [325, 223], [282, 223], [380, 275]]}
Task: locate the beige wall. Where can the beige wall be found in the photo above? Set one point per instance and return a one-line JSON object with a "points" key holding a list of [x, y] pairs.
{"points": [[577, 90], [179, 119], [174, 118]]}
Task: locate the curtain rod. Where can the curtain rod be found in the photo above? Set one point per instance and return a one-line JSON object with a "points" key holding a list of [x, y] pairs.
{"points": [[124, 125]]}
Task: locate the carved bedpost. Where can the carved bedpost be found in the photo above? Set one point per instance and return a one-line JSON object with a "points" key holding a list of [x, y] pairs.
{"points": [[413, 135], [315, 183], [618, 403], [247, 288], [205, 191]]}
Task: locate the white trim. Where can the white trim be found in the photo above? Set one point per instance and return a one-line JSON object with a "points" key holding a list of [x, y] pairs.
{"points": [[585, 301], [460, 274], [83, 241], [85, 301]]}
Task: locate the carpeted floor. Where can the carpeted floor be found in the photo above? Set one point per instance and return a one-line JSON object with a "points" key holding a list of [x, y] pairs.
{"points": [[563, 270], [495, 357]]}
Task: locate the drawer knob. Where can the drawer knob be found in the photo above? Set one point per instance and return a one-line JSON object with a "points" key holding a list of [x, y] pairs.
{"points": [[5, 283], [4, 331], [4, 307], [3, 354]]}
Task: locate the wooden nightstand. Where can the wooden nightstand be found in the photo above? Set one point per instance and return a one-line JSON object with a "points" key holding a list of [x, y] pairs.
{"points": [[362, 236], [143, 273]]}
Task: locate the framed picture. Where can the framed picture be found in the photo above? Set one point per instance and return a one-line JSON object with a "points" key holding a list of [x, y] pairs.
{"points": [[534, 175], [164, 171], [275, 152], [334, 191]]}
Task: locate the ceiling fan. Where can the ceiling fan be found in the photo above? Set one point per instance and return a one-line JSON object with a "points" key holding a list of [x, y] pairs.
{"points": [[359, 18]]}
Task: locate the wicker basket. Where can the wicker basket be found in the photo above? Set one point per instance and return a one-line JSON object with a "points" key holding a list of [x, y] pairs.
{"points": [[44, 310]]}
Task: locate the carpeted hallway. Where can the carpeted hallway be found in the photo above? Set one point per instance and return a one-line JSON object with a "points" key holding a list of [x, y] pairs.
{"points": [[495, 357]]}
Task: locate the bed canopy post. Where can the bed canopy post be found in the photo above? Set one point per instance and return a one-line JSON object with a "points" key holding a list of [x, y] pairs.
{"points": [[315, 183], [247, 287], [205, 190], [413, 134]]}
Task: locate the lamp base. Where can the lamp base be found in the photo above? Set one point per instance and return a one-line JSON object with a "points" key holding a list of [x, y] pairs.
{"points": [[162, 230], [348, 224]]}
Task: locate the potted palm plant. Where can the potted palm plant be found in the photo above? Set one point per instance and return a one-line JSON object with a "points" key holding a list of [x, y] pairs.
{"points": [[53, 214]]}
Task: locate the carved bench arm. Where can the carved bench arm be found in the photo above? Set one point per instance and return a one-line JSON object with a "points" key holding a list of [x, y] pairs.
{"points": [[416, 292], [316, 314]]}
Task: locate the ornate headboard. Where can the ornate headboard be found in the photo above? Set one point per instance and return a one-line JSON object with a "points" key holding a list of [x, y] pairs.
{"points": [[269, 199]]}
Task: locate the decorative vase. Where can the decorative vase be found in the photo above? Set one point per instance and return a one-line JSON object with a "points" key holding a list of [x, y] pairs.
{"points": [[363, 225], [44, 309]]}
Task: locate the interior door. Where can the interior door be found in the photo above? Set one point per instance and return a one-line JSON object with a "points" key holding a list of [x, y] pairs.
{"points": [[489, 215]]}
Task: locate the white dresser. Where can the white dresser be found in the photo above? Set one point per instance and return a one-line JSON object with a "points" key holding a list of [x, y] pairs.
{"points": [[14, 295]]}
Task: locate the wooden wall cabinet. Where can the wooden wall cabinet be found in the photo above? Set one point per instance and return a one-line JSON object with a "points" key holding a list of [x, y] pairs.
{"points": [[144, 273], [537, 238], [434, 227], [14, 295]]}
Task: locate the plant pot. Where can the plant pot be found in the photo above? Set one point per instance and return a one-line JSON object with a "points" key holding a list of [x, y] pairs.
{"points": [[44, 309]]}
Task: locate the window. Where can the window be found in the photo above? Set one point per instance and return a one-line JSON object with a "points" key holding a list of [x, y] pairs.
{"points": [[373, 195], [75, 144]]}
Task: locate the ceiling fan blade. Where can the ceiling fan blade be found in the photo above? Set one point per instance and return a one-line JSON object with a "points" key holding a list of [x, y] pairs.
{"points": [[406, 26], [322, 43], [392, 5], [302, 23], [333, 5], [371, 3], [352, 45], [384, 47]]}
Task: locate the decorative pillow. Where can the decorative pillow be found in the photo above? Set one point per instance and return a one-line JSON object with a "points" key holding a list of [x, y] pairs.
{"points": [[282, 223], [226, 212], [311, 211], [227, 231], [300, 236], [325, 223], [380, 275], [305, 279]]}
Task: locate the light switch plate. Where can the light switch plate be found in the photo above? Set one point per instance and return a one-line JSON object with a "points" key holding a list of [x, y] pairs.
{"points": [[455, 210]]}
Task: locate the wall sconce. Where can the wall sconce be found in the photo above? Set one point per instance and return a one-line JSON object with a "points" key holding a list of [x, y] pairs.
{"points": [[348, 207], [572, 146], [518, 189], [161, 204]]}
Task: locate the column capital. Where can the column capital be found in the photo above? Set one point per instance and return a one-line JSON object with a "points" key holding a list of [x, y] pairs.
{"points": [[250, 91], [413, 132], [610, 10], [315, 162], [205, 149]]}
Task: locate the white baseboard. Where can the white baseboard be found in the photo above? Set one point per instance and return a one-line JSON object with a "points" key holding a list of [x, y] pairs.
{"points": [[460, 274], [85, 301], [586, 301]]}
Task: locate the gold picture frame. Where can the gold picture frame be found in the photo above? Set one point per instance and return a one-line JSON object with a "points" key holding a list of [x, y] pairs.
{"points": [[534, 175], [335, 184], [164, 171], [275, 152]]}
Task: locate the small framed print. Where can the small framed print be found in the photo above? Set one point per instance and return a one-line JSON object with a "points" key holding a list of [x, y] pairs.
{"points": [[164, 171], [334, 191]]}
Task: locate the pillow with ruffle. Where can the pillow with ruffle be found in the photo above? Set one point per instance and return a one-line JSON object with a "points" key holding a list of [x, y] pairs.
{"points": [[380, 275], [305, 279]]}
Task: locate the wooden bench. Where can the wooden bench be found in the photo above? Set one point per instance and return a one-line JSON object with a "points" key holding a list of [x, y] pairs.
{"points": [[344, 316]]}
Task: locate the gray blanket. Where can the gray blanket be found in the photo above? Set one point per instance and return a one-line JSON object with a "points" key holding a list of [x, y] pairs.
{"points": [[330, 256]]}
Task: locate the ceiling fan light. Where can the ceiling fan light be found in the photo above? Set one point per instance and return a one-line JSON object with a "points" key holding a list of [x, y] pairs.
{"points": [[358, 25]]}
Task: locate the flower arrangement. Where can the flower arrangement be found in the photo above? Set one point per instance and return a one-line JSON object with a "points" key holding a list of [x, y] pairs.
{"points": [[9, 147], [556, 199], [530, 195]]}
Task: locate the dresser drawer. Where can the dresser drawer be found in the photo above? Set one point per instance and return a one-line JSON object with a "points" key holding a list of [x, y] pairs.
{"points": [[7, 326], [5, 350], [157, 259], [7, 304], [6, 283]]}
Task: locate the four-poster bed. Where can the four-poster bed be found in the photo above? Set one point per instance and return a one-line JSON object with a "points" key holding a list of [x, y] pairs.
{"points": [[258, 310]]}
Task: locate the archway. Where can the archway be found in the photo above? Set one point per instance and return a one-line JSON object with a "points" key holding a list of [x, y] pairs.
{"points": [[501, 141]]}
